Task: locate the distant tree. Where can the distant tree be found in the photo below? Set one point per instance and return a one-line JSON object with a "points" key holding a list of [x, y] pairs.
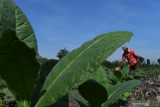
{"points": [[116, 63], [62, 53], [42, 59], [148, 62], [158, 61], [141, 59]]}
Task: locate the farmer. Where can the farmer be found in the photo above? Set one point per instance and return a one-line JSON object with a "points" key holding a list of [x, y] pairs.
{"points": [[132, 58]]}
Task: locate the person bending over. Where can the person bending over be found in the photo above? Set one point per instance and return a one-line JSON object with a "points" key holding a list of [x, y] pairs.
{"points": [[132, 58]]}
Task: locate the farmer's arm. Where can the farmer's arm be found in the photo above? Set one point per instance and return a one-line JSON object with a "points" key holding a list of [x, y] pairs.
{"points": [[123, 59], [122, 63]]}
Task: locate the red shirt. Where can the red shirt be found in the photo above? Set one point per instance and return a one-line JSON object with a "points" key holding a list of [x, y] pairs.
{"points": [[131, 57]]}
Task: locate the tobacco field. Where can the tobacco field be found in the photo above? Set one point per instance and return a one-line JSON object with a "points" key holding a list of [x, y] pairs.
{"points": [[82, 78]]}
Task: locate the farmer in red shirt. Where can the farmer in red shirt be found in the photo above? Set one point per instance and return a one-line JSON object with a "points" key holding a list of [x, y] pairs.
{"points": [[132, 58]]}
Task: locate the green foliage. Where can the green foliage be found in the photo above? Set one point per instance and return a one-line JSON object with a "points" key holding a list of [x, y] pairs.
{"points": [[157, 71], [125, 71], [18, 67], [41, 59], [148, 62], [115, 63], [127, 94], [96, 94], [158, 61], [13, 18], [4, 92], [101, 76], [79, 64], [118, 75], [75, 96], [45, 70], [2, 83], [141, 59], [116, 91], [111, 76], [93, 92], [136, 74], [23, 96], [107, 64]]}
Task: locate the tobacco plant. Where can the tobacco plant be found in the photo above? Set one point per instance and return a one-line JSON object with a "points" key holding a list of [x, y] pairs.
{"points": [[23, 74]]}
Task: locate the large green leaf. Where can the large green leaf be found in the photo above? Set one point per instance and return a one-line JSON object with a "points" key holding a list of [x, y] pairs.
{"points": [[18, 67], [78, 65], [116, 91], [75, 96], [93, 92], [111, 76], [45, 70], [118, 75], [11, 17], [101, 77], [125, 71]]}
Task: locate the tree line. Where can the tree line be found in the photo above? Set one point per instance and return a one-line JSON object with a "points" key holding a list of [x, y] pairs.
{"points": [[108, 64]]}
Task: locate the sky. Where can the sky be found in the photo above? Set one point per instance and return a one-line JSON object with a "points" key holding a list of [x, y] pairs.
{"points": [[60, 24]]}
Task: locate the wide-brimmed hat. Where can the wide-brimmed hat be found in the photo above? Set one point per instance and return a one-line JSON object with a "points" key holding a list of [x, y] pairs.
{"points": [[124, 47]]}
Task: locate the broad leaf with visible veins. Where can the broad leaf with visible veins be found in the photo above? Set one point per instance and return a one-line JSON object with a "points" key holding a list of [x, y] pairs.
{"points": [[116, 91], [79, 65], [11, 17], [18, 67]]}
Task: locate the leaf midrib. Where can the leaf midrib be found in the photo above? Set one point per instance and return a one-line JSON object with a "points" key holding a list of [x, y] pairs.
{"points": [[118, 89], [115, 91], [24, 103], [70, 64]]}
